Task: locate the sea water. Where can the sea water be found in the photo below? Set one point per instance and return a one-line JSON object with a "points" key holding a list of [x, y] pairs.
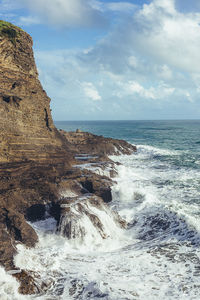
{"points": [[157, 191]]}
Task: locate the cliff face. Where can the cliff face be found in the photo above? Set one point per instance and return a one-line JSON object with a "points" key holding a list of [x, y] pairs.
{"points": [[32, 152], [27, 129]]}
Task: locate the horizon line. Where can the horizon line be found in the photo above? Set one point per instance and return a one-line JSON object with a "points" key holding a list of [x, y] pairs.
{"points": [[124, 120]]}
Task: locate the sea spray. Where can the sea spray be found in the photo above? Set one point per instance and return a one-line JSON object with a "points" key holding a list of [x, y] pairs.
{"points": [[87, 220]]}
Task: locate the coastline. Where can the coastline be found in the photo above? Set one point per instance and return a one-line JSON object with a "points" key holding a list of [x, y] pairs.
{"points": [[87, 216], [40, 165], [35, 193]]}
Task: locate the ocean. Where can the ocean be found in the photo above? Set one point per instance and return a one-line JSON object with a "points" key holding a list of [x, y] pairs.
{"points": [[157, 191]]}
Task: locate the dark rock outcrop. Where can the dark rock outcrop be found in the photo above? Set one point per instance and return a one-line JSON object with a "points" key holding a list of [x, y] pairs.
{"points": [[88, 143]]}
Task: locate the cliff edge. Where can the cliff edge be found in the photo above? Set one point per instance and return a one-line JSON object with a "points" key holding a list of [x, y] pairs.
{"points": [[27, 129]]}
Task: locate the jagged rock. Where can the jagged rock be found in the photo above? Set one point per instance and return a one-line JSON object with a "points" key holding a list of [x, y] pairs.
{"points": [[83, 181], [14, 228], [28, 285], [98, 186], [32, 151], [31, 282]]}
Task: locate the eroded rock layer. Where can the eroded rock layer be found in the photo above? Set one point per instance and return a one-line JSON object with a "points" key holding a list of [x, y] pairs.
{"points": [[27, 129], [88, 143]]}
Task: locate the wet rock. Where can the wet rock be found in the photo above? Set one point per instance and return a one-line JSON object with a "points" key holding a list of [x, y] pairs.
{"points": [[14, 228], [96, 184], [85, 142], [28, 284], [31, 282], [90, 290]]}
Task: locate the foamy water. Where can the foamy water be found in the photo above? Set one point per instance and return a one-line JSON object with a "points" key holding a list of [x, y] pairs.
{"points": [[156, 257]]}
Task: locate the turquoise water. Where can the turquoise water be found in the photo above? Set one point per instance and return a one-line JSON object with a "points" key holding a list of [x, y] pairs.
{"points": [[169, 135]]}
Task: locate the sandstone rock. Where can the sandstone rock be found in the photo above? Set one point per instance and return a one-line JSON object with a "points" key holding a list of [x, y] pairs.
{"points": [[85, 142], [27, 129]]}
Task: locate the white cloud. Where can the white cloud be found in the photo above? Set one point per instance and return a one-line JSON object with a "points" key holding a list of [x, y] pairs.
{"points": [[132, 88], [91, 91], [67, 13], [168, 36], [150, 61], [165, 72]]}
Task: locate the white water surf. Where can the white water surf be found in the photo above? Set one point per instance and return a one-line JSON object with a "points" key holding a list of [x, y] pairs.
{"points": [[157, 257]]}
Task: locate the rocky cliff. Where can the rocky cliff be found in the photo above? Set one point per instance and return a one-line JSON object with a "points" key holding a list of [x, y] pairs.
{"points": [[39, 165], [27, 129]]}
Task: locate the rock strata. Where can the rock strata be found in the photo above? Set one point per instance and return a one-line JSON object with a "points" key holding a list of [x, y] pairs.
{"points": [[88, 143], [39, 165], [27, 129]]}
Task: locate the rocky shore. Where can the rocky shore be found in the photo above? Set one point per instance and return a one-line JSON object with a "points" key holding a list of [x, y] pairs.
{"points": [[44, 172]]}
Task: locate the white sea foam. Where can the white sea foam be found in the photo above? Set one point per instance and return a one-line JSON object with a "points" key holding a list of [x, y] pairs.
{"points": [[149, 150], [156, 258]]}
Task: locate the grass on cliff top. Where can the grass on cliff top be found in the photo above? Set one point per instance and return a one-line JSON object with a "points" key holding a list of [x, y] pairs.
{"points": [[10, 31]]}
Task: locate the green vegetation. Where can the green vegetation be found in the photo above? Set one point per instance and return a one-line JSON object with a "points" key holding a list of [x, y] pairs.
{"points": [[10, 31]]}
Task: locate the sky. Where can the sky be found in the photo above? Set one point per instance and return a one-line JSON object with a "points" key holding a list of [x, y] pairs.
{"points": [[115, 59]]}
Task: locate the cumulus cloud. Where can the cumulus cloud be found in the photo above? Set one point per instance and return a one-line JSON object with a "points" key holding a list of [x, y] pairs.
{"points": [[158, 33], [159, 92], [167, 35], [68, 13], [91, 91], [150, 61]]}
